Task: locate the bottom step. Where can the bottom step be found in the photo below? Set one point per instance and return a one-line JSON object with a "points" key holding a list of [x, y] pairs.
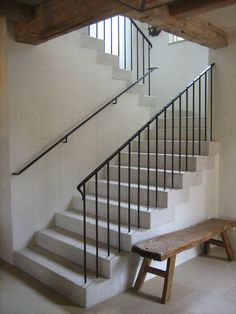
{"points": [[67, 278]]}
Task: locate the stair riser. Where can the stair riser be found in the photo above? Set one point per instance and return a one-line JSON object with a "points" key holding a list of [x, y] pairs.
{"points": [[107, 59], [145, 218], [69, 289], [76, 226], [184, 134], [192, 162], [144, 149], [102, 190], [124, 174], [119, 74], [161, 122], [73, 254], [92, 43]]}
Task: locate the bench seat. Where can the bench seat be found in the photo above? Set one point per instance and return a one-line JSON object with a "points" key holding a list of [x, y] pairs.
{"points": [[167, 246]]}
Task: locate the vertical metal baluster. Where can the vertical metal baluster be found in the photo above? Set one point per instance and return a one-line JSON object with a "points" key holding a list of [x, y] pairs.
{"points": [[172, 145], [139, 181], [211, 103], [108, 209], [131, 45], [119, 196], [129, 175], [111, 36], [157, 161], [186, 156], [118, 35], [104, 30], [193, 137], [165, 149], [84, 233], [89, 31], [149, 66], [125, 62], [137, 58], [96, 215], [143, 61], [148, 166], [205, 106], [180, 130], [199, 121], [96, 30]]}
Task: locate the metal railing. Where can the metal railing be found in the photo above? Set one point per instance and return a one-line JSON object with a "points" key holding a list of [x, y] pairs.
{"points": [[124, 38], [195, 103]]}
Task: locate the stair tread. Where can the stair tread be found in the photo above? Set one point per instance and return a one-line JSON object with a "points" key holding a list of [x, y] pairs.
{"points": [[76, 241], [59, 265], [122, 204], [150, 169], [162, 154], [142, 186], [101, 222]]}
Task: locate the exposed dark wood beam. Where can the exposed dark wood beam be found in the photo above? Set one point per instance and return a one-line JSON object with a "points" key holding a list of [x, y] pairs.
{"points": [[183, 8], [16, 11], [190, 28], [57, 17], [143, 5]]}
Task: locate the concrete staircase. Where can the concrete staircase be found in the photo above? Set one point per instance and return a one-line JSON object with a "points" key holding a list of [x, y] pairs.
{"points": [[57, 255]]}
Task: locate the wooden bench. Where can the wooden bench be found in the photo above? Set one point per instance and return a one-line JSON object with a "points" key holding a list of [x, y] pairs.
{"points": [[167, 246]]}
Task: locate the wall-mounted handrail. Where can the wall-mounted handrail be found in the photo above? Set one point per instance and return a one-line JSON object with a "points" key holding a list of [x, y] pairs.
{"points": [[64, 138]]}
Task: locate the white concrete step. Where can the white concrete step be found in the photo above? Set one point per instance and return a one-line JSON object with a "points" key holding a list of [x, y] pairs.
{"points": [[71, 246], [73, 221], [120, 74], [137, 89], [190, 133], [184, 122], [205, 147], [194, 162], [180, 179], [165, 198], [67, 278], [107, 59], [153, 217], [147, 101], [91, 42]]}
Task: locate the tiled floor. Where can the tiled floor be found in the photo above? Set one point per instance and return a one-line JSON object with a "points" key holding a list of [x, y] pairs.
{"points": [[204, 285]]}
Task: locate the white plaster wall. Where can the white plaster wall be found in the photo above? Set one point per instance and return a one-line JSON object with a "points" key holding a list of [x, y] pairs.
{"points": [[179, 64], [5, 203], [52, 87], [224, 125]]}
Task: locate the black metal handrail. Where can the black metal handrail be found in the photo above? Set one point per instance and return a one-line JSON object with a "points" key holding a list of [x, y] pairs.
{"points": [[188, 95], [64, 138]]}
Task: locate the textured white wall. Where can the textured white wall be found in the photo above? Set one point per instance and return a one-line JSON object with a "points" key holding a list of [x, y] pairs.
{"points": [[224, 125], [52, 87], [179, 64], [5, 204]]}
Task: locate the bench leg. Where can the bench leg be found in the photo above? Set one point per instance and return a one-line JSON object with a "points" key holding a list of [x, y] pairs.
{"points": [[142, 274], [227, 246], [206, 247], [168, 279]]}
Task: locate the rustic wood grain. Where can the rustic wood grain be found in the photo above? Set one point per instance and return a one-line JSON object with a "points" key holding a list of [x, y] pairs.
{"points": [[168, 283], [167, 245], [142, 274], [185, 7], [16, 11]]}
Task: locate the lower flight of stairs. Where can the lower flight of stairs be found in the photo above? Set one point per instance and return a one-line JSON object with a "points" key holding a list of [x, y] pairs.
{"points": [[56, 258]]}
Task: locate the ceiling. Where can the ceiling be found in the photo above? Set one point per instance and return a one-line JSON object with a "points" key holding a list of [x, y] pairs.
{"points": [[224, 18], [30, 2]]}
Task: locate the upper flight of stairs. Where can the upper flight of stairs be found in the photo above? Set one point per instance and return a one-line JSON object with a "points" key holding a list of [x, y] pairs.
{"points": [[57, 255]]}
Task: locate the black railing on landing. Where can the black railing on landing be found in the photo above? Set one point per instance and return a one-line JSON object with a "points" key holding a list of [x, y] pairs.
{"points": [[65, 137], [193, 105], [124, 38]]}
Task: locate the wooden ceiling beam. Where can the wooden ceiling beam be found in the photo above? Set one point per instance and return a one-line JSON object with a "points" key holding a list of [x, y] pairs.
{"points": [[182, 8], [143, 5], [16, 11], [190, 28], [57, 17]]}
